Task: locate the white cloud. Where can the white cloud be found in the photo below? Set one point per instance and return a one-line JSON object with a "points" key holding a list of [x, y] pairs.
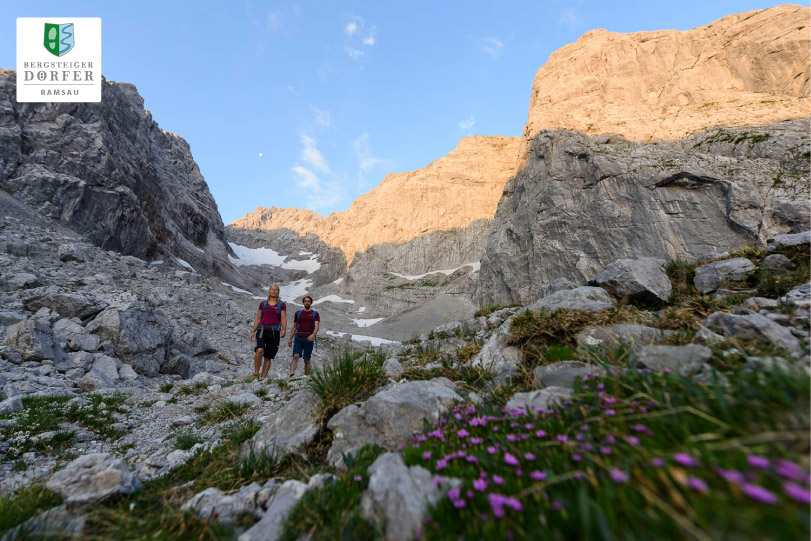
{"points": [[260, 154], [354, 53], [323, 117], [366, 158], [319, 194], [467, 124], [492, 46], [568, 18], [312, 155], [358, 36], [273, 19], [306, 178], [370, 38]]}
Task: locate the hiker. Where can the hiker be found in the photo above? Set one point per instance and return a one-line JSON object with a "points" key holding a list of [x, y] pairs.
{"points": [[271, 320], [305, 327]]}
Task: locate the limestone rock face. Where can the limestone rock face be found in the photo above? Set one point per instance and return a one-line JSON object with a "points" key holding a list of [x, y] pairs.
{"points": [[582, 202], [407, 205], [741, 70], [107, 171], [92, 478]]}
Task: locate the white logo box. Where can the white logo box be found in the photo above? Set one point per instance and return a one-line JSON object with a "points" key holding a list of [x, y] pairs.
{"points": [[44, 77]]}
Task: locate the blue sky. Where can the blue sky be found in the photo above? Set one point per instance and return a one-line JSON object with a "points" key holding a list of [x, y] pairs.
{"points": [[310, 104]]}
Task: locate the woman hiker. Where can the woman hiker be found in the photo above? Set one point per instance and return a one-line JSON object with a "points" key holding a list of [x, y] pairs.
{"points": [[271, 320], [305, 327]]}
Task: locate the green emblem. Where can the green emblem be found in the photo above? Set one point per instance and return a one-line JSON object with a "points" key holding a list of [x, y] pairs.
{"points": [[58, 38]]}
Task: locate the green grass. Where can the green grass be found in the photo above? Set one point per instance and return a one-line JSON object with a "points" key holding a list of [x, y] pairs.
{"points": [[224, 412], [468, 376], [633, 455], [486, 311], [166, 387], [45, 414], [332, 512], [26, 503], [186, 439], [347, 378]]}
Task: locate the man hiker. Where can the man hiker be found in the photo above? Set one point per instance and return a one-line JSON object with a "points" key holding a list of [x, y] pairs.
{"points": [[305, 327], [271, 320]]}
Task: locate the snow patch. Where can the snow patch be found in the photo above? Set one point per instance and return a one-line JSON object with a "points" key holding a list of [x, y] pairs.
{"points": [[373, 339], [338, 281], [367, 322], [336, 333], [266, 256], [238, 290], [447, 272], [296, 289], [185, 263], [361, 309], [333, 298]]}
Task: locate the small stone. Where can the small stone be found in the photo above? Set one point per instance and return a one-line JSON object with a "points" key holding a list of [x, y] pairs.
{"points": [[708, 277], [689, 358], [776, 263]]}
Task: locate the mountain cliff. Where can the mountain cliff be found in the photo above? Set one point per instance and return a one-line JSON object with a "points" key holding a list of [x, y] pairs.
{"points": [[411, 204], [745, 69], [109, 172]]}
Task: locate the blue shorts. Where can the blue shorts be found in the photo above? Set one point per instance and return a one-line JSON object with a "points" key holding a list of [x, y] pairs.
{"points": [[303, 347]]}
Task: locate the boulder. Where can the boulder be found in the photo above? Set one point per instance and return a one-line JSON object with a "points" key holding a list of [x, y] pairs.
{"points": [[561, 374], [397, 497], [681, 359], [776, 263], [542, 399], [92, 478], [586, 298], [786, 241], [191, 342], [179, 364], [141, 335], [613, 335], [496, 356], [72, 252], [288, 430], [225, 508], [390, 417], [46, 524], [799, 296], [757, 327], [708, 277], [11, 405], [20, 280], [65, 303], [560, 284], [35, 341], [392, 368], [270, 527], [642, 279]]}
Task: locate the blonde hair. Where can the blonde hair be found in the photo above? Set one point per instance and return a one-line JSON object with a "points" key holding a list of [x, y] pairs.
{"points": [[277, 288]]}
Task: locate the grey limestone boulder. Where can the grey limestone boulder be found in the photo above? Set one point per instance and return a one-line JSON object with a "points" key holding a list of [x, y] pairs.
{"points": [[776, 263], [397, 497], [785, 241], [225, 508], [65, 303], [799, 296], [496, 356], [542, 399], [561, 374], [392, 368], [708, 277], [288, 430], [614, 335], [270, 527], [54, 522], [11, 405], [141, 335], [93, 478], [35, 341], [390, 417], [586, 298], [72, 252], [642, 279], [179, 364], [755, 326], [681, 359]]}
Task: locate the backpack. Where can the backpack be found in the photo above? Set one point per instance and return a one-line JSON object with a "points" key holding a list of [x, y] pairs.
{"points": [[278, 313]]}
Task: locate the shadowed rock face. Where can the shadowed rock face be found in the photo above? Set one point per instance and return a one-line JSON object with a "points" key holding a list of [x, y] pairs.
{"points": [[582, 202], [107, 170]]}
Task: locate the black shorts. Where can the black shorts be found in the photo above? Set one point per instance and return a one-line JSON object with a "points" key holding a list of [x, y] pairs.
{"points": [[269, 341]]}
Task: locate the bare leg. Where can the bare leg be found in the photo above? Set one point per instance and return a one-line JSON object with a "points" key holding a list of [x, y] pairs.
{"points": [[257, 361], [306, 367], [265, 368], [294, 364]]}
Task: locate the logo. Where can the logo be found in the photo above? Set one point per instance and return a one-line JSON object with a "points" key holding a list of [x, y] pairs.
{"points": [[52, 65], [58, 38]]}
